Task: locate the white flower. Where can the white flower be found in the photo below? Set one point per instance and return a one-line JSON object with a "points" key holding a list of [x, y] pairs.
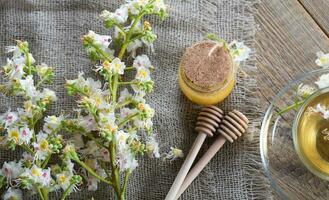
{"points": [[143, 124], [142, 61], [45, 178], [92, 183], [120, 15], [143, 74], [13, 194], [305, 90], [11, 170], [97, 100], [239, 51], [63, 179], [27, 157], [152, 147], [133, 46], [48, 94], [125, 96], [38, 175], [323, 81], [52, 123], [88, 123], [25, 135], [27, 85], [15, 67], [77, 141], [102, 40], [126, 160], [13, 49], [146, 109], [322, 60], [105, 14], [41, 146], [13, 135], [9, 118], [91, 148], [32, 60], [93, 85], [117, 67], [159, 5], [173, 154], [121, 138], [125, 112], [69, 165], [105, 155], [107, 122], [42, 69], [322, 110]]}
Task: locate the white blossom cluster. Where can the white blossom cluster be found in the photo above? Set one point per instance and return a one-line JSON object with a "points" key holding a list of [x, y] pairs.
{"points": [[18, 129], [114, 124]]}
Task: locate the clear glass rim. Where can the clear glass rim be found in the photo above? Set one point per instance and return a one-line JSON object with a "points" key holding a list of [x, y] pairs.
{"points": [[265, 124]]}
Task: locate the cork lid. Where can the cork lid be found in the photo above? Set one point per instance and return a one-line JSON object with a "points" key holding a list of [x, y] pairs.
{"points": [[206, 65]]}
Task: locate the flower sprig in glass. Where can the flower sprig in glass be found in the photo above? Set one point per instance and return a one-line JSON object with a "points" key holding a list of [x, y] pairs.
{"points": [[114, 123], [22, 128], [303, 91]]}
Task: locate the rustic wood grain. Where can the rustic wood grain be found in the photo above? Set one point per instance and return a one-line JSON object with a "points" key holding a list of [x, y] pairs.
{"points": [[319, 10], [286, 44]]}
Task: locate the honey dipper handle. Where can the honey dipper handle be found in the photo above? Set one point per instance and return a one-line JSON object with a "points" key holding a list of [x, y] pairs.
{"points": [[195, 171], [186, 166]]}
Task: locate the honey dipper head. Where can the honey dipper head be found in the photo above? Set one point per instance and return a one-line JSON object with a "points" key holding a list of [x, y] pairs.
{"points": [[209, 120], [233, 125]]}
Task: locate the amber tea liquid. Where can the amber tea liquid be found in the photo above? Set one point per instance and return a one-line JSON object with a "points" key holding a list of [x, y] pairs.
{"points": [[310, 141]]}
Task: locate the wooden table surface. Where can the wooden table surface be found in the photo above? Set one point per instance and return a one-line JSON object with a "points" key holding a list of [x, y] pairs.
{"points": [[290, 33]]}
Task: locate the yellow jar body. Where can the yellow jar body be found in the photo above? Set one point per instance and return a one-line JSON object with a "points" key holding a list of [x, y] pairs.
{"points": [[207, 98]]}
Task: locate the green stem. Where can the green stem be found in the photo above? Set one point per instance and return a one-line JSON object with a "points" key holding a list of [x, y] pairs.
{"points": [[40, 82], [115, 171], [105, 55], [28, 149], [293, 106], [40, 193], [130, 32], [127, 119], [119, 27], [115, 88], [125, 183], [28, 62], [93, 173], [90, 136], [126, 83], [67, 191], [45, 162], [44, 193], [120, 105], [102, 164]]}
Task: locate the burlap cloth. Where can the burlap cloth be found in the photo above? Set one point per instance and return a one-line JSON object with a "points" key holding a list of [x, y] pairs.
{"points": [[54, 27]]}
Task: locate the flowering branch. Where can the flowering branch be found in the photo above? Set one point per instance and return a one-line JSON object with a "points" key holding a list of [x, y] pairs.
{"points": [[117, 122], [32, 171]]}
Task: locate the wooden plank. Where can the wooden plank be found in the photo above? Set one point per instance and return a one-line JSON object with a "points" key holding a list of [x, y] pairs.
{"points": [[286, 44], [319, 10]]}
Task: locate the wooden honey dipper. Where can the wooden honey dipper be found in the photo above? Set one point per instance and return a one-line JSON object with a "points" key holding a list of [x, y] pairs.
{"points": [[207, 122], [233, 126]]}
